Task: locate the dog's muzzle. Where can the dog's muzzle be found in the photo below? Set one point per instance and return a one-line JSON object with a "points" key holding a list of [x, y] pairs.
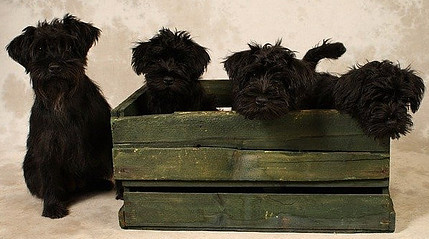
{"points": [[168, 80], [261, 101], [54, 68]]}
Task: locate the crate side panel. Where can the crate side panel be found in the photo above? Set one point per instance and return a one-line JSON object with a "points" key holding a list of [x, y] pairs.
{"points": [[221, 164], [220, 89], [134, 104], [130, 106], [308, 130], [259, 212]]}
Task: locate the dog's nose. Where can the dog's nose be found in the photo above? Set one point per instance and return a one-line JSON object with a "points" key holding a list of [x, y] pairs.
{"points": [[54, 68], [261, 100], [168, 80], [391, 121]]}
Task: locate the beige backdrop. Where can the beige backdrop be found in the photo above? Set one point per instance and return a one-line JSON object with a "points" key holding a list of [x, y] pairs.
{"points": [[371, 30]]}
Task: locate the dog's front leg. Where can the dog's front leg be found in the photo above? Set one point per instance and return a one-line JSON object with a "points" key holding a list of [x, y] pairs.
{"points": [[31, 167], [54, 205]]}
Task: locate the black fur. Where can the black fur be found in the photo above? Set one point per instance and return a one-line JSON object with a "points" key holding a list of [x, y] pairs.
{"points": [[319, 94], [380, 95], [172, 64], [69, 143], [326, 50], [268, 81]]}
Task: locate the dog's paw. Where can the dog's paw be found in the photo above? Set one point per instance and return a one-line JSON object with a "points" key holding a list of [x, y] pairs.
{"points": [[101, 185], [105, 185], [332, 50], [338, 48], [119, 190], [55, 211], [119, 195]]}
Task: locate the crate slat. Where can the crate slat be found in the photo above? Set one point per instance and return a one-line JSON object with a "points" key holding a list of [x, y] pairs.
{"points": [[130, 105], [262, 212], [307, 130], [362, 184], [222, 164]]}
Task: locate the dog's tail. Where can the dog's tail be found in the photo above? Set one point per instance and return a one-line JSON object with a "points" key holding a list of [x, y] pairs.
{"points": [[326, 50]]}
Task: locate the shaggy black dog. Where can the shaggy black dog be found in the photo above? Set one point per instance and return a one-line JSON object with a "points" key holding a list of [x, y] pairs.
{"points": [[379, 95], [69, 143], [172, 64], [268, 81]]}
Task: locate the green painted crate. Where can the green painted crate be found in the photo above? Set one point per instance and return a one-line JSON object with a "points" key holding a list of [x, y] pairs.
{"points": [[310, 171]]}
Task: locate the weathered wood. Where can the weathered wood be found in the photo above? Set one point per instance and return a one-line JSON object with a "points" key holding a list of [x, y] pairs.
{"points": [[121, 216], [130, 106], [219, 89], [261, 212], [312, 170], [221, 164], [363, 184], [315, 130]]}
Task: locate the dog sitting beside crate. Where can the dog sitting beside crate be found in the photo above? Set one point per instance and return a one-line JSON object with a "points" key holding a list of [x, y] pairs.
{"points": [[69, 143]]}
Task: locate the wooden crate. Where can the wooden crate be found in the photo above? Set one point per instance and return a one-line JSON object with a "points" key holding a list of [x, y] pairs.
{"points": [[310, 171]]}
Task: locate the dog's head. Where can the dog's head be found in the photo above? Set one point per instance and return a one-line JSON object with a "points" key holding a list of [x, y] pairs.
{"points": [[170, 61], [268, 81], [54, 53], [381, 95]]}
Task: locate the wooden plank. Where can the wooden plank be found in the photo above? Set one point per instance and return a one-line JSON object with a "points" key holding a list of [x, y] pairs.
{"points": [[258, 212], [121, 216], [219, 164], [130, 106], [307, 130], [221, 89], [370, 183]]}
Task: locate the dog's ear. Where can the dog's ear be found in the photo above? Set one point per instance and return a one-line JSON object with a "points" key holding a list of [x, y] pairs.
{"points": [[19, 48], [416, 89], [201, 60], [140, 59], [255, 47], [85, 33], [181, 40], [235, 62], [348, 91]]}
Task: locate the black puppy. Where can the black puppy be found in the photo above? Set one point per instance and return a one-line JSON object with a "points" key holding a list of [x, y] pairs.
{"points": [[379, 95], [172, 64], [69, 143], [268, 81]]}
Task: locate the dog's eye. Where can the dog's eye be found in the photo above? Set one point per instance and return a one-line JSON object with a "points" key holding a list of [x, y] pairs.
{"points": [[285, 61], [251, 76], [40, 50]]}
